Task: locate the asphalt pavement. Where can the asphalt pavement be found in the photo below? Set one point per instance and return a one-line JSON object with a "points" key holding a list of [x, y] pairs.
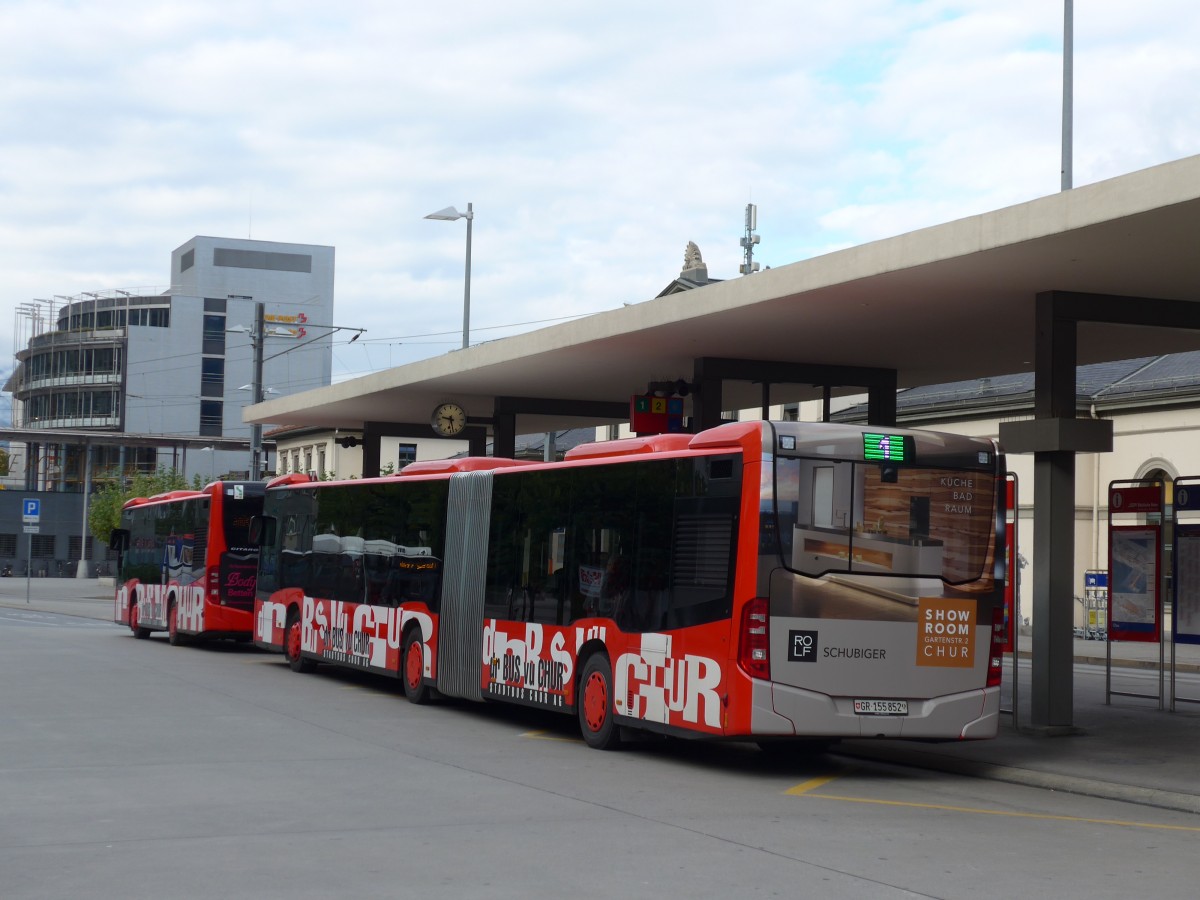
{"points": [[1127, 750]]}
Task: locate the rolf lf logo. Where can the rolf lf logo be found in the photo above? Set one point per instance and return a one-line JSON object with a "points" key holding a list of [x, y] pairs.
{"points": [[802, 646]]}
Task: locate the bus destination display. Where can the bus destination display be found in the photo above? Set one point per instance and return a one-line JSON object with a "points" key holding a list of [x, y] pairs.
{"points": [[886, 447]]}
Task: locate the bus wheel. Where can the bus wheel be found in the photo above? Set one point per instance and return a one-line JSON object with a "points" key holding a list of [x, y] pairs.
{"points": [[413, 669], [291, 645], [138, 631], [173, 635], [595, 705]]}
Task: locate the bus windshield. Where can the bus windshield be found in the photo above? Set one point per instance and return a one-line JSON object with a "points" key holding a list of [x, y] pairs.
{"points": [[237, 515], [872, 518]]}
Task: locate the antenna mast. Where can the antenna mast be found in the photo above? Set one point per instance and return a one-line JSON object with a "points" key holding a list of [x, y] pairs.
{"points": [[750, 240]]}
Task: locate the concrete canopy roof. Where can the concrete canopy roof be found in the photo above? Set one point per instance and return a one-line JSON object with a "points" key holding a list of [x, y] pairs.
{"points": [[942, 304]]}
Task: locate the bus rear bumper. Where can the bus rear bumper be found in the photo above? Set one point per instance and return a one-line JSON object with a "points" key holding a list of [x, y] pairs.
{"points": [[968, 715]]}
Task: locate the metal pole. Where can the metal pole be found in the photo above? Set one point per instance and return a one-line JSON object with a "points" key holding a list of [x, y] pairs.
{"points": [[1068, 91], [82, 571], [467, 282], [256, 340], [1166, 539], [1016, 662]]}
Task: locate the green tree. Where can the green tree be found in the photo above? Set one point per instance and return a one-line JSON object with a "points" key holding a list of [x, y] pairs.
{"points": [[104, 508], [4, 461]]}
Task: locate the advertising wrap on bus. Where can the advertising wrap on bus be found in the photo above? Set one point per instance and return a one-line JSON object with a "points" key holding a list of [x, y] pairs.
{"points": [[761, 581]]}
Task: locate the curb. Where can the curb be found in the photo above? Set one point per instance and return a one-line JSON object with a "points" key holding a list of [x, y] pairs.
{"points": [[1070, 784], [1126, 663]]}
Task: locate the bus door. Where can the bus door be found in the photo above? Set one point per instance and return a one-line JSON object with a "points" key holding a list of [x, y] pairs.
{"points": [[675, 586]]}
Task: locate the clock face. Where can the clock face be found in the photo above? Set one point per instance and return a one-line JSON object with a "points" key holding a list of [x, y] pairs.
{"points": [[448, 419]]}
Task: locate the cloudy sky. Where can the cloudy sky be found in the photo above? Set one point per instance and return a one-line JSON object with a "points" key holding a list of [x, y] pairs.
{"points": [[594, 140]]}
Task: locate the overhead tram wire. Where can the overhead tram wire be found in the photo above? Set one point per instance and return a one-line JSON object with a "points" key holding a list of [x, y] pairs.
{"points": [[174, 359], [396, 339], [410, 337]]}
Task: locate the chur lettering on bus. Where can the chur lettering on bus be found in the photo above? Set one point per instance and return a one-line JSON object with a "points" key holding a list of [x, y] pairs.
{"points": [[522, 664], [152, 603], [269, 622], [121, 604], [190, 600], [354, 634], [658, 683]]}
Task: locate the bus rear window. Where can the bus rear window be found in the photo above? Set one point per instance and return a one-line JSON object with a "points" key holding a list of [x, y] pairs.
{"points": [[880, 519]]}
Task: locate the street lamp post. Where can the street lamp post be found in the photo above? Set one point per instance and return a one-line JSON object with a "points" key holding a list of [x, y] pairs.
{"points": [[1068, 111], [450, 214]]}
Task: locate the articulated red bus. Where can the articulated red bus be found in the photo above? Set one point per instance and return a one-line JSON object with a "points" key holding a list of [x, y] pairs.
{"points": [[186, 563], [760, 581]]}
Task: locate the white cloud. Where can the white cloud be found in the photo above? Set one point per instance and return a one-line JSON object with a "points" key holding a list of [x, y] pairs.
{"points": [[594, 141]]}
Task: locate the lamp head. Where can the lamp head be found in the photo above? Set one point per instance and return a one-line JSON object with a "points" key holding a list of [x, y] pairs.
{"points": [[449, 214]]}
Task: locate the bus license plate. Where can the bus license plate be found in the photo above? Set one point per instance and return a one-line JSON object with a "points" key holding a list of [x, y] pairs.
{"points": [[881, 707]]}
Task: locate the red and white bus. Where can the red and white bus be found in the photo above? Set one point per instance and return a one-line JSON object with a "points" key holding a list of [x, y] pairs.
{"points": [[186, 563], [758, 581]]}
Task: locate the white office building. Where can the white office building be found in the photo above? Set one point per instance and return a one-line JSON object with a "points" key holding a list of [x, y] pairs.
{"points": [[172, 363]]}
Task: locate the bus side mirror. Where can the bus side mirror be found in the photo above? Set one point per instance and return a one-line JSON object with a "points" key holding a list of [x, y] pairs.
{"points": [[118, 540], [262, 531]]}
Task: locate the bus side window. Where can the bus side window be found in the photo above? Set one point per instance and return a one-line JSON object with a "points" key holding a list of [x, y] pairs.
{"points": [[526, 549], [501, 590], [118, 540], [702, 562], [261, 534]]}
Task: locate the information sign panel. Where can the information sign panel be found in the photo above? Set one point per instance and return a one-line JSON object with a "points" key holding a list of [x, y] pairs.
{"points": [[1011, 568], [1133, 602], [1186, 621], [656, 415], [1187, 497], [1135, 499]]}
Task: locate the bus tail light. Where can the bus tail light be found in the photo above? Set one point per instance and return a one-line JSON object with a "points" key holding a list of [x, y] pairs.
{"points": [[754, 639], [996, 651], [214, 587]]}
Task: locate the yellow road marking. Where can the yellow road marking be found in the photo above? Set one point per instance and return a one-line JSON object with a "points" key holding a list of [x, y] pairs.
{"points": [[805, 786], [809, 785]]}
